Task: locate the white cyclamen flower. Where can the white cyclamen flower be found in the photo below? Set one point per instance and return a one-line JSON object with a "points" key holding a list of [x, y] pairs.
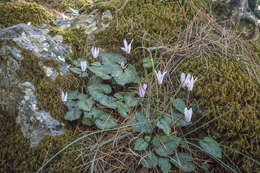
{"points": [[83, 65], [64, 96], [188, 81], [123, 65], [160, 76], [95, 52], [188, 114], [142, 89], [127, 48]]}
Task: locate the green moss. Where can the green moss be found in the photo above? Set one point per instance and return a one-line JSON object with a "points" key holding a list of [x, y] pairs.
{"points": [[226, 89], [76, 38], [17, 156], [23, 12]]}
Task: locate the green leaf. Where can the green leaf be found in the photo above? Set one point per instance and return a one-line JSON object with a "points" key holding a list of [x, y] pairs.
{"points": [[105, 121], [98, 91], [147, 138], [130, 99], [179, 105], [93, 113], [164, 164], [75, 70], [179, 121], [147, 63], [129, 75], [150, 161], [112, 58], [73, 95], [140, 144], [165, 124], [122, 109], [88, 121], [85, 104], [83, 74], [183, 161], [73, 114], [141, 124], [210, 146], [119, 96], [165, 145], [99, 71], [96, 63]]}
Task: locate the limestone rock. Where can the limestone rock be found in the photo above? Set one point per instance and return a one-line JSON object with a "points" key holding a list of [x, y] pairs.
{"points": [[17, 97]]}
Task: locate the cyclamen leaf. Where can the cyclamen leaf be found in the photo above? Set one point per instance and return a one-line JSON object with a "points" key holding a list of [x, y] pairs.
{"points": [[130, 99], [140, 144], [183, 161], [147, 63], [85, 104], [99, 71], [209, 145], [179, 105], [122, 109], [76, 70], [105, 121], [165, 145], [165, 124], [129, 75], [73, 114], [150, 161], [164, 164], [179, 121], [141, 124]]}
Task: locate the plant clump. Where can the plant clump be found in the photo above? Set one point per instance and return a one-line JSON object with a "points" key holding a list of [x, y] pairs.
{"points": [[226, 92], [23, 12]]}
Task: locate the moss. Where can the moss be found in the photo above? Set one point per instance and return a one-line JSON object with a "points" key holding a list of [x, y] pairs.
{"points": [[61, 5], [23, 12], [226, 89], [17, 156], [76, 38]]}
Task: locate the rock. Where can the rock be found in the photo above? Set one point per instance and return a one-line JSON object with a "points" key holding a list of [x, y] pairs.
{"points": [[17, 97]]}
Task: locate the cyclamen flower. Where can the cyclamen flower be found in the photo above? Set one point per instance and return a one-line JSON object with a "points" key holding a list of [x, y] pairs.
{"points": [[83, 65], [95, 52], [64, 96], [127, 48], [188, 114], [187, 81], [160, 76], [142, 89], [123, 65]]}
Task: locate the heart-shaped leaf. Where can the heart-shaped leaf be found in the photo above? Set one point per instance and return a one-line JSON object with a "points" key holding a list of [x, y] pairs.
{"points": [[105, 121], [73, 114], [165, 124], [179, 105], [150, 160], [141, 124], [164, 164], [122, 109], [130, 99], [210, 146], [179, 121], [165, 145], [183, 161], [140, 144]]}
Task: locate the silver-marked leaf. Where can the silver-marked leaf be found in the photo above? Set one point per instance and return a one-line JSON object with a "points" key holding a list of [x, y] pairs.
{"points": [[150, 160], [183, 161], [85, 104], [119, 96], [130, 99], [179, 105], [105, 121], [99, 71], [178, 120], [96, 64], [210, 146], [98, 91], [165, 124], [122, 109], [165, 145], [129, 75], [141, 124], [140, 144], [73, 95], [73, 114], [164, 164]]}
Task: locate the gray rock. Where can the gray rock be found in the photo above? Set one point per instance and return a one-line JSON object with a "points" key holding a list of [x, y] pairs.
{"points": [[18, 98]]}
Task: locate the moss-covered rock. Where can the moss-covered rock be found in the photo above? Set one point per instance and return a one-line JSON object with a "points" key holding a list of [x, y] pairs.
{"points": [[225, 89], [17, 156], [23, 12]]}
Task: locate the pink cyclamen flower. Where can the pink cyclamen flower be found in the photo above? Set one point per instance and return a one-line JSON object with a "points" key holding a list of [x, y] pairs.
{"points": [[83, 65], [123, 64], [95, 52], [64, 96], [142, 89], [127, 48], [160, 76], [188, 114]]}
